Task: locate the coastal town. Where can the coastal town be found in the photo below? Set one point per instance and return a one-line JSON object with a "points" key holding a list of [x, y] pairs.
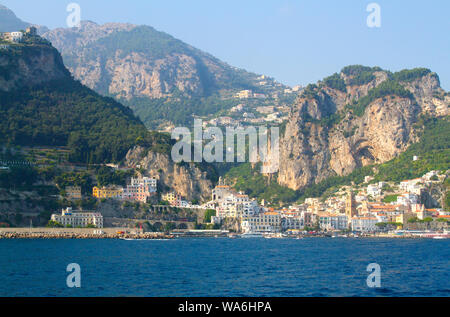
{"points": [[374, 209]]}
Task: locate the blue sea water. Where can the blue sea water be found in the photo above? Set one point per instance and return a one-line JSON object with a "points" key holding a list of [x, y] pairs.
{"points": [[226, 267]]}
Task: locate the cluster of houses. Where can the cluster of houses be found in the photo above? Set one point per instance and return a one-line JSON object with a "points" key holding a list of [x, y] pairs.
{"points": [[139, 189], [17, 36], [358, 212]]}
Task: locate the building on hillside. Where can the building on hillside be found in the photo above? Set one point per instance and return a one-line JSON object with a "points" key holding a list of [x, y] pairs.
{"points": [[15, 37], [31, 31], [69, 217], [244, 94], [140, 189], [73, 192], [113, 192], [172, 198], [373, 190], [407, 199]]}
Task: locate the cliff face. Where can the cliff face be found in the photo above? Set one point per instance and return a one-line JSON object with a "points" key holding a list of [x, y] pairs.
{"points": [[29, 66], [335, 128], [129, 61], [187, 180]]}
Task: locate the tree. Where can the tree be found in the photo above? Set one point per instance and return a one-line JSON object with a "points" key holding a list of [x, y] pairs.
{"points": [[54, 224]]}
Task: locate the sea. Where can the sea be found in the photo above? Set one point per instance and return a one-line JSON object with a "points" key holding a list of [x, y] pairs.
{"points": [[224, 267]]}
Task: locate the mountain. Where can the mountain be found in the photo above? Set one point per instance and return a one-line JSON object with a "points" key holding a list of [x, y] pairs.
{"points": [[163, 79], [359, 117], [42, 105], [9, 22]]}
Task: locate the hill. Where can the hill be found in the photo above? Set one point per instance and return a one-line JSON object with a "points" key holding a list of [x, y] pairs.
{"points": [[42, 105], [164, 80], [9, 22]]}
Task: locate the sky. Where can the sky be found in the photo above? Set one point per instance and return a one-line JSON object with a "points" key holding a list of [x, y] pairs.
{"points": [[294, 41]]}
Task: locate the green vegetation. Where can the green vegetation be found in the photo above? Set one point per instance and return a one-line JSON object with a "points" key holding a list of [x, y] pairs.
{"points": [[336, 82], [54, 224], [82, 179], [108, 176], [250, 180], [208, 214], [386, 88], [433, 151], [178, 110], [409, 75], [390, 198], [65, 113], [360, 75]]}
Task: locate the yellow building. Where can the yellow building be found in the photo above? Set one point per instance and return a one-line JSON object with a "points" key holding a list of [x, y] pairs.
{"points": [[171, 198], [107, 192]]}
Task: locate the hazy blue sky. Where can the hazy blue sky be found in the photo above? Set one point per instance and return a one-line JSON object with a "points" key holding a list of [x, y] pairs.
{"points": [[297, 42]]}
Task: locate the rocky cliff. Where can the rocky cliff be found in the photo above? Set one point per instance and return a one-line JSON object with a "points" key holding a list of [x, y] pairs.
{"points": [[141, 66], [186, 179], [358, 117], [30, 65], [129, 61]]}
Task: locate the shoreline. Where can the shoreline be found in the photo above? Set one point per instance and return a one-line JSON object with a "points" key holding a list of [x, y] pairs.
{"points": [[165, 236]]}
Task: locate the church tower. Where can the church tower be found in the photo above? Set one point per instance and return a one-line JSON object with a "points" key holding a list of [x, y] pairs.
{"points": [[350, 206]]}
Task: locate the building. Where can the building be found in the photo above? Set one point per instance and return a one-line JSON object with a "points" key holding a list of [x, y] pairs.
{"points": [[332, 221], [73, 192], [404, 217], [350, 207], [373, 190], [266, 222], [31, 31], [68, 217], [244, 94], [15, 37], [172, 198], [407, 199], [140, 189], [113, 192], [364, 224]]}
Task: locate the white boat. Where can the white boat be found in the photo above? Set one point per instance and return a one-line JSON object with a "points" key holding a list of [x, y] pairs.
{"points": [[439, 237], [251, 235]]}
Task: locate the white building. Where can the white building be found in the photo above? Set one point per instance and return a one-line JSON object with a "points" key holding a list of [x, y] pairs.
{"points": [[267, 222], [333, 221], [407, 199], [364, 224], [140, 189], [373, 190], [68, 217], [15, 37]]}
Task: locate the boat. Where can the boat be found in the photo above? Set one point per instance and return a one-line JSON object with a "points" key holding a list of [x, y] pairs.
{"points": [[273, 236], [251, 235], [439, 237]]}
